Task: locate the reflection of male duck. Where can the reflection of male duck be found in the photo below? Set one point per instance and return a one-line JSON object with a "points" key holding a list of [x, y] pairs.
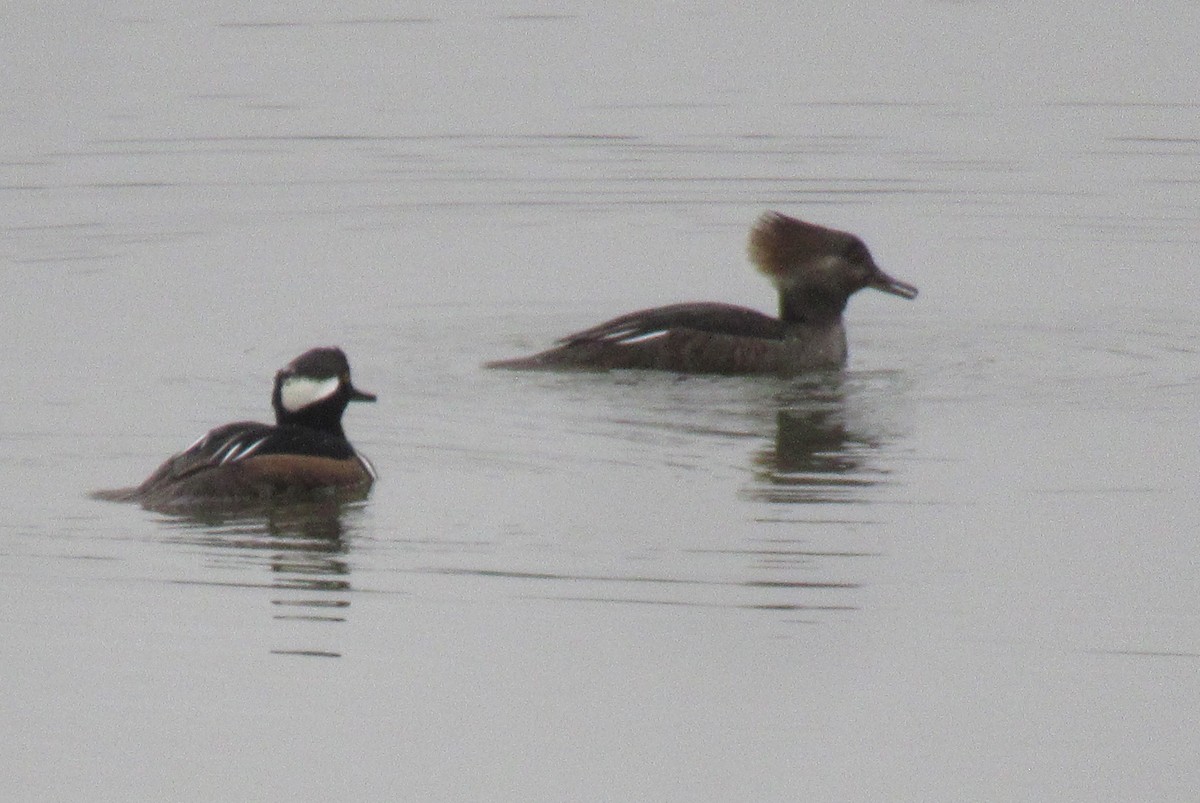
{"points": [[301, 542], [307, 549], [301, 545]]}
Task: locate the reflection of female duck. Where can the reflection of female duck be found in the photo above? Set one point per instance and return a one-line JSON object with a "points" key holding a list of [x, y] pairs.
{"points": [[815, 457], [815, 269]]}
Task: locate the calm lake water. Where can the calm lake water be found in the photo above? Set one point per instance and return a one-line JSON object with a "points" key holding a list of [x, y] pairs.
{"points": [[965, 568]]}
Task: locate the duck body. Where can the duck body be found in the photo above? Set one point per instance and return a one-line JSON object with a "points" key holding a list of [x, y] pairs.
{"points": [[248, 461], [695, 338], [815, 271], [305, 454]]}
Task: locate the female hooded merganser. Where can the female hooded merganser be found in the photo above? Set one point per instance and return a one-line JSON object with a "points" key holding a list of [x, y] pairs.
{"points": [[815, 269], [305, 453]]}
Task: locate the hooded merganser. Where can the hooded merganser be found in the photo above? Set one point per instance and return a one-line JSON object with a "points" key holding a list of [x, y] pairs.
{"points": [[815, 269], [304, 453]]}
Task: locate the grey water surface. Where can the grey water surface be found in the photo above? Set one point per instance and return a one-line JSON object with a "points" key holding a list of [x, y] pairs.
{"points": [[967, 567]]}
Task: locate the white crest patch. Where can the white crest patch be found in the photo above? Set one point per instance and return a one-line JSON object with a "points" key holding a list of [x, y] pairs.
{"points": [[299, 392]]}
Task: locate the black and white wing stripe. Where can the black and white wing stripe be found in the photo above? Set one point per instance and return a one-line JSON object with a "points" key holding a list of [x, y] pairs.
{"points": [[221, 446]]}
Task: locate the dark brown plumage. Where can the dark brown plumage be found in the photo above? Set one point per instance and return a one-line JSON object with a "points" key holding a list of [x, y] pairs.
{"points": [[304, 454], [815, 270]]}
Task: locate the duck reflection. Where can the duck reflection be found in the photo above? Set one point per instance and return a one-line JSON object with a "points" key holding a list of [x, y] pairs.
{"points": [[817, 456], [827, 447], [302, 546]]}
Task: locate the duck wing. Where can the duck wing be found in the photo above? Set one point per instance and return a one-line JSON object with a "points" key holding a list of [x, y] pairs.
{"points": [[233, 443], [708, 317]]}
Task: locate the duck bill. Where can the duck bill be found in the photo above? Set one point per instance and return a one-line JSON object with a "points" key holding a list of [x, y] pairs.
{"points": [[360, 395], [894, 286]]}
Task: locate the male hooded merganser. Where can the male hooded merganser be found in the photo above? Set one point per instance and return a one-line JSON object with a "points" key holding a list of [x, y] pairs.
{"points": [[305, 453], [815, 269]]}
